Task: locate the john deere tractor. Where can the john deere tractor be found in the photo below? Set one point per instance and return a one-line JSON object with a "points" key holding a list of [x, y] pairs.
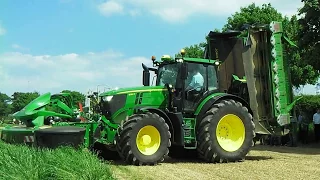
{"points": [[202, 104], [180, 111], [196, 104]]}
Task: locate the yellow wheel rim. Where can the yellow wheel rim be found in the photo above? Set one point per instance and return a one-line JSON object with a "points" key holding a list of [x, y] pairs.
{"points": [[230, 132], [148, 140]]}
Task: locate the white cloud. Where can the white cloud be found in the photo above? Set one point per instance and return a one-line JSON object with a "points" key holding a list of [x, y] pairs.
{"points": [[15, 46], [181, 10], [80, 72], [134, 12], [19, 47], [110, 7], [2, 30]]}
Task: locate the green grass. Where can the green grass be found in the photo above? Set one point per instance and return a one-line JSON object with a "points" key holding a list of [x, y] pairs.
{"points": [[25, 163]]}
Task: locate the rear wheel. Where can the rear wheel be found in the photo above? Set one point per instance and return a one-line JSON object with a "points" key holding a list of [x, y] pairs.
{"points": [[143, 139], [226, 132]]}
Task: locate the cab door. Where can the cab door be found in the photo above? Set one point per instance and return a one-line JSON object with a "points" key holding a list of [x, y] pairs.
{"points": [[195, 85]]}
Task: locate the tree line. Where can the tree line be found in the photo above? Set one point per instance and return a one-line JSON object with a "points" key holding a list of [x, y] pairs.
{"points": [[18, 100], [303, 29]]}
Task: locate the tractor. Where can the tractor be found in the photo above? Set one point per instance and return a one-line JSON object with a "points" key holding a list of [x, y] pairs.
{"points": [[196, 104]]}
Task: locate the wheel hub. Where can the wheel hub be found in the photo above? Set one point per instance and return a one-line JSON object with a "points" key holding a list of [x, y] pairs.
{"points": [[230, 132], [146, 140], [225, 132]]}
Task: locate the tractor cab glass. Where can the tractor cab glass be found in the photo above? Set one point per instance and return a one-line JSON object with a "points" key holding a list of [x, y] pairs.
{"points": [[195, 82], [167, 74], [201, 79]]}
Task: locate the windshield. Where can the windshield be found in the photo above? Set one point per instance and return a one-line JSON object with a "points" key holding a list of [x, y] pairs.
{"points": [[167, 74]]}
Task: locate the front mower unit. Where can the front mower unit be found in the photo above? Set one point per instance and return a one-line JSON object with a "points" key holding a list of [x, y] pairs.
{"points": [[18, 135], [50, 121], [60, 136]]}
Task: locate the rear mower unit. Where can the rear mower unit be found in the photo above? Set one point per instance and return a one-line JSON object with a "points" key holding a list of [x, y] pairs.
{"points": [[216, 120]]}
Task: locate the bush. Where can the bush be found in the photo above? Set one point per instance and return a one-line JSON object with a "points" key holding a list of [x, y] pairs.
{"points": [[308, 104]]}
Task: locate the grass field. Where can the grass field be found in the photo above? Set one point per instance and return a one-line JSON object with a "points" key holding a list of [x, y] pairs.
{"points": [[21, 162], [263, 162]]}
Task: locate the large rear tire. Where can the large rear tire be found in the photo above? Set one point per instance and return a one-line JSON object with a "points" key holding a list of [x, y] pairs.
{"points": [[226, 133], [143, 139]]}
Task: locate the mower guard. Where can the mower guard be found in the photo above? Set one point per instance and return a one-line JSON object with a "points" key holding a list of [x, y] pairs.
{"points": [[36, 111]]}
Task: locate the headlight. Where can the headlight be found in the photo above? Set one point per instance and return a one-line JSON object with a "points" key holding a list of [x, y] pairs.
{"points": [[107, 98]]}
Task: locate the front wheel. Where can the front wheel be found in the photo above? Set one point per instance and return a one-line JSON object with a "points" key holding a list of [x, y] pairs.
{"points": [[143, 139], [226, 132]]}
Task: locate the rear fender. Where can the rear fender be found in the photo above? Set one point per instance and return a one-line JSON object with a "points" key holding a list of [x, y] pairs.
{"points": [[211, 99], [207, 103]]}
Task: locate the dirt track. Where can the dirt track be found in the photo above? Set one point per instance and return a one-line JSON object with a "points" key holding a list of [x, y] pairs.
{"points": [[263, 162]]}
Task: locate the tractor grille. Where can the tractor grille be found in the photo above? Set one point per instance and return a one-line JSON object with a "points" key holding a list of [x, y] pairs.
{"points": [[108, 108]]}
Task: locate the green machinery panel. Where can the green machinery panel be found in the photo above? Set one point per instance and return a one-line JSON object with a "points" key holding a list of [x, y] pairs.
{"points": [[280, 82]]}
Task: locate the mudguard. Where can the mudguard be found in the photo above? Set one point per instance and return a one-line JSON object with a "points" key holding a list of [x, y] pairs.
{"points": [[207, 102]]}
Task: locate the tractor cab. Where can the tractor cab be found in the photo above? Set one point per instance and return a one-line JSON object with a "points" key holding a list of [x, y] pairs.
{"points": [[188, 79]]}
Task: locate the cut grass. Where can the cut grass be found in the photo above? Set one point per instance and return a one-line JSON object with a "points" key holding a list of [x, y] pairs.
{"points": [[25, 163], [263, 162]]}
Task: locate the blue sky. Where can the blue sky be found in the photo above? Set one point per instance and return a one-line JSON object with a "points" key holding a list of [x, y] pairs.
{"points": [[79, 44]]}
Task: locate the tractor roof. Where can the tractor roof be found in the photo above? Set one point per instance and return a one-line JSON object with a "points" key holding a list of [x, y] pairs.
{"points": [[168, 59], [200, 60]]}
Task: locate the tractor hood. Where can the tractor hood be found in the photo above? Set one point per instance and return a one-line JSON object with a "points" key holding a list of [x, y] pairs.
{"points": [[33, 106], [133, 90]]}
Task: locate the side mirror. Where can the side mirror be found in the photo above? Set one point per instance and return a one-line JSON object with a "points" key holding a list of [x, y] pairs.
{"points": [[184, 71], [146, 78]]}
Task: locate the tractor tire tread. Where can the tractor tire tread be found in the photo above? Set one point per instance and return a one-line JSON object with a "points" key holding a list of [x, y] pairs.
{"points": [[206, 148], [124, 134]]}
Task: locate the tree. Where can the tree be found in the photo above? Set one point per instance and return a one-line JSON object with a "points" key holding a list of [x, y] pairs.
{"points": [[302, 72], [197, 50], [309, 33], [20, 99], [76, 97], [308, 104], [5, 107], [252, 14]]}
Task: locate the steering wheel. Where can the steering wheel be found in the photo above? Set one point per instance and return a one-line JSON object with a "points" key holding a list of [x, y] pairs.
{"points": [[190, 90]]}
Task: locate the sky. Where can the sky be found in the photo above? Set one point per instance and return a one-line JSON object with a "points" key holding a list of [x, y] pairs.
{"points": [[49, 46]]}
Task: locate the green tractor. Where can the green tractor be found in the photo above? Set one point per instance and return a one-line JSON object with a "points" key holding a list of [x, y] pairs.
{"points": [[174, 114], [201, 104], [197, 104]]}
